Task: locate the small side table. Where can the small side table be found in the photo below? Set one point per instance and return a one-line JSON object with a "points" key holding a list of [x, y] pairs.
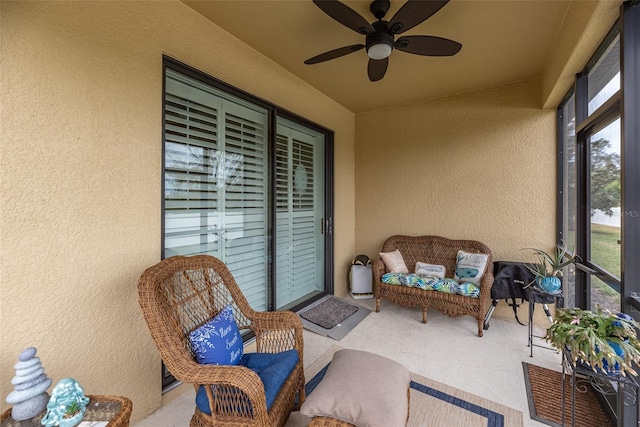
{"points": [[540, 296], [114, 409]]}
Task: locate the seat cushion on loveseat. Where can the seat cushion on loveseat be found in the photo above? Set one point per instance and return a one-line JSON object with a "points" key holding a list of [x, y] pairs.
{"points": [[430, 283], [272, 368]]}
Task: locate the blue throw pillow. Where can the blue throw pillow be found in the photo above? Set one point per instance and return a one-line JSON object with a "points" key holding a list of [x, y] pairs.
{"points": [[218, 341]]}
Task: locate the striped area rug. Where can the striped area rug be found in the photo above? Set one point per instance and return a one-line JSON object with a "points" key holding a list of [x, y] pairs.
{"points": [[433, 404]]}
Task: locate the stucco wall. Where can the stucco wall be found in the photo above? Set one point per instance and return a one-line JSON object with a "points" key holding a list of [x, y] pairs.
{"points": [[583, 29], [479, 165], [81, 172]]}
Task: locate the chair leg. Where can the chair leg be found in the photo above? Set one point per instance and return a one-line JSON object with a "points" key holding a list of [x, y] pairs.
{"points": [[378, 305], [480, 326], [424, 314], [301, 397]]}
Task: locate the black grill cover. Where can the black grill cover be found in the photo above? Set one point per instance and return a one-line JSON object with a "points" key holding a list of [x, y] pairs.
{"points": [[510, 279]]}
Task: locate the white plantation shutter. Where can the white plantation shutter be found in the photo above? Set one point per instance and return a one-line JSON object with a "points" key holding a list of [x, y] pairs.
{"points": [[215, 181], [298, 213], [245, 214]]}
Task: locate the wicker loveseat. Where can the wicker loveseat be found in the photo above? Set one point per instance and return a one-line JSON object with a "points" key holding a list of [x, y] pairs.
{"points": [[440, 251]]}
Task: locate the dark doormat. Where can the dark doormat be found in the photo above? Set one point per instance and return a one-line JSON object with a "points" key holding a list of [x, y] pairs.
{"points": [[329, 312], [544, 393]]}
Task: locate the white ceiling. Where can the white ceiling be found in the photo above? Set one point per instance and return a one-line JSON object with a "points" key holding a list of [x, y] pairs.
{"points": [[502, 41]]}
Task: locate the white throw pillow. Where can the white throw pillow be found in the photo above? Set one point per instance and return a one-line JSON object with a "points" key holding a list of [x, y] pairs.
{"points": [[470, 267], [432, 270], [394, 262]]}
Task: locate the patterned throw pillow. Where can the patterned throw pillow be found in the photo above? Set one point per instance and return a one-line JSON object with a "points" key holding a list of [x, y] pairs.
{"points": [[470, 267], [424, 269], [218, 342], [394, 262]]}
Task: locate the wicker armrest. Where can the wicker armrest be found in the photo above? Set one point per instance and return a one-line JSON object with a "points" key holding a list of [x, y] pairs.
{"points": [[192, 372], [278, 331], [487, 280], [378, 269], [238, 377]]}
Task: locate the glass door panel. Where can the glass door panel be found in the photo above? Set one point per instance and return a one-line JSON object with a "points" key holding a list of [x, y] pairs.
{"points": [[299, 212], [215, 199], [604, 295], [605, 203], [569, 186], [604, 78]]}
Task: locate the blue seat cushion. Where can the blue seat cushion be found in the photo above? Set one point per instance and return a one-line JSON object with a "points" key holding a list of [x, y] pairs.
{"points": [[272, 368]]}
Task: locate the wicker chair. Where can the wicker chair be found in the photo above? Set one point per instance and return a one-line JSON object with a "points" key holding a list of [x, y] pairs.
{"points": [[178, 295], [440, 251]]}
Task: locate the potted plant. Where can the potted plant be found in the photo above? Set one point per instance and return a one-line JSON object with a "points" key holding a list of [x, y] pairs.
{"points": [[73, 414], [602, 341], [548, 269]]}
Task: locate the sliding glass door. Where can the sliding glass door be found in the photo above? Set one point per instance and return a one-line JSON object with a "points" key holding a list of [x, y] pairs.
{"points": [[300, 219], [248, 185]]}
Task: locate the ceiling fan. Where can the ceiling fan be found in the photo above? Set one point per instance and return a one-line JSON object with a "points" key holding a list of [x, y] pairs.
{"points": [[380, 35]]}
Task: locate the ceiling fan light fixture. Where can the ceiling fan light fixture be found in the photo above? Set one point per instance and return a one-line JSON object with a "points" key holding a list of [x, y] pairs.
{"points": [[379, 51], [379, 44]]}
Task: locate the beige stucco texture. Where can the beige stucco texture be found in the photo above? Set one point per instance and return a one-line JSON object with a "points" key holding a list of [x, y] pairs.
{"points": [[81, 177], [81, 170], [463, 167]]}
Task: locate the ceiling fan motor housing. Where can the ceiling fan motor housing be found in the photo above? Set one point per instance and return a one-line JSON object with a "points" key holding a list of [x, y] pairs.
{"points": [[381, 35]]}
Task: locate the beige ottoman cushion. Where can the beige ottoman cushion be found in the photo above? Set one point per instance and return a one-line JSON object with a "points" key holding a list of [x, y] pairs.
{"points": [[363, 389]]}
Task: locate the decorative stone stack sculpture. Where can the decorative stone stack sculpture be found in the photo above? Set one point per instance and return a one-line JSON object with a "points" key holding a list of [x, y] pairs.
{"points": [[29, 397]]}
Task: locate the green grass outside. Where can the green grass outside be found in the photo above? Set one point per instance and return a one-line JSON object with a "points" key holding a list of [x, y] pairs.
{"points": [[605, 252]]}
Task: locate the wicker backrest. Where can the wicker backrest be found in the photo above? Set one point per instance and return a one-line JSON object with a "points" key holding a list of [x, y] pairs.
{"points": [[179, 294], [432, 250]]}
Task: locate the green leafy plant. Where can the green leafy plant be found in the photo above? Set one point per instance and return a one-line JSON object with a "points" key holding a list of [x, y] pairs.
{"points": [[551, 265], [72, 409], [592, 337]]}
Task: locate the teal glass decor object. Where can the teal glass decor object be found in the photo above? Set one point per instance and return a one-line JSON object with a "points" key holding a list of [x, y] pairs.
{"points": [[67, 405]]}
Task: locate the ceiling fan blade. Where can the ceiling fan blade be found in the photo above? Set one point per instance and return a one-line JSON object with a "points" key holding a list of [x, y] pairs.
{"points": [[345, 15], [413, 12], [427, 45], [335, 53], [377, 69]]}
